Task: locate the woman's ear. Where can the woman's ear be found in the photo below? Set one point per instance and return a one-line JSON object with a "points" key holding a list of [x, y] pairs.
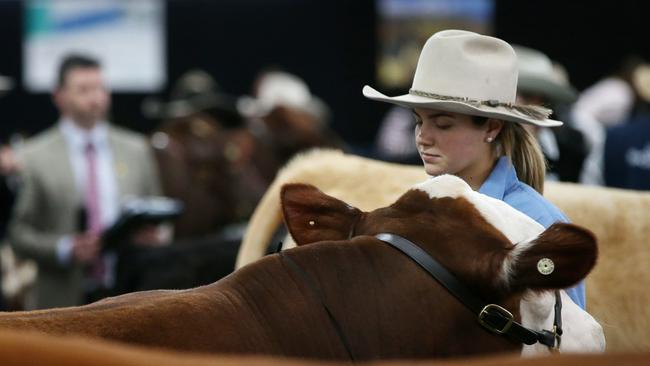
{"points": [[494, 127]]}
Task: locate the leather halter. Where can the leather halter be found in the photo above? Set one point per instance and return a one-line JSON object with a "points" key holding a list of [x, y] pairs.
{"points": [[491, 316]]}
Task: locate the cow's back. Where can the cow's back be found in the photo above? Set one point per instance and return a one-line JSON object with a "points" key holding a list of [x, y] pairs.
{"points": [[257, 310]]}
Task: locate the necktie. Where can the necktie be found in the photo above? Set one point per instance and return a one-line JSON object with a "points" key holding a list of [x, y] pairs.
{"points": [[98, 268], [92, 190]]}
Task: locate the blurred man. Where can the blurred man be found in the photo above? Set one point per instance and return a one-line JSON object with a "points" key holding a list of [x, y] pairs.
{"points": [[625, 161], [74, 176], [7, 165]]}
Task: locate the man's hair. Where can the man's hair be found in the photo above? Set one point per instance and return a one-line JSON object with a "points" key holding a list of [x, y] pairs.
{"points": [[73, 61]]}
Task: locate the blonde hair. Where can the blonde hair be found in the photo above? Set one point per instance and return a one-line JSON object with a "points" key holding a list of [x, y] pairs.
{"points": [[523, 150]]}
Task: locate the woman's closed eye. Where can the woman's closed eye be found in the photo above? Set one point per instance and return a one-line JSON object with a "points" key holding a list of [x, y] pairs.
{"points": [[441, 121], [444, 125]]}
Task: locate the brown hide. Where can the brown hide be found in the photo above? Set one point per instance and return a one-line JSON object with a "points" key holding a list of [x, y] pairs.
{"points": [[382, 302], [386, 306], [617, 293], [27, 349], [244, 313]]}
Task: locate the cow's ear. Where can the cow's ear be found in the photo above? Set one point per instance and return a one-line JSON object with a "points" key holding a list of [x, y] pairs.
{"points": [[559, 257], [311, 215]]}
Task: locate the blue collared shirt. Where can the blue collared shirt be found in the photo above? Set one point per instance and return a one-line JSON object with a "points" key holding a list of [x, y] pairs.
{"points": [[504, 185]]}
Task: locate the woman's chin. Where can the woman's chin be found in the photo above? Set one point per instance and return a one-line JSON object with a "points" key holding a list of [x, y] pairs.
{"points": [[434, 170]]}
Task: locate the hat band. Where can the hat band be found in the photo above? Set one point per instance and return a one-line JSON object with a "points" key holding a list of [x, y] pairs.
{"points": [[532, 111]]}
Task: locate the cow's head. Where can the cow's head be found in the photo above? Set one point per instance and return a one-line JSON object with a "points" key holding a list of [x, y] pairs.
{"points": [[491, 247]]}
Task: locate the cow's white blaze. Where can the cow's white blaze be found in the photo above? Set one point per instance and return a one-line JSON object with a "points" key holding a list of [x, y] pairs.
{"points": [[516, 226]]}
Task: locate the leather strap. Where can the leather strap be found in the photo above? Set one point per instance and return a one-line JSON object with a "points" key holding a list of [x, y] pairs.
{"points": [[491, 316]]}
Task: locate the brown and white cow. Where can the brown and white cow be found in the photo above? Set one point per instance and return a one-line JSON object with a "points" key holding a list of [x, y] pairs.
{"points": [[384, 305], [489, 245]]}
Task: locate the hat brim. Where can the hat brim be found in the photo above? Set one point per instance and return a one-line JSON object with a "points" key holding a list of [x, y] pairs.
{"points": [[183, 107], [252, 107], [416, 101], [552, 91]]}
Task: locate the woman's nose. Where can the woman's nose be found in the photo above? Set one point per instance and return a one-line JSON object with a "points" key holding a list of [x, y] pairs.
{"points": [[424, 135]]}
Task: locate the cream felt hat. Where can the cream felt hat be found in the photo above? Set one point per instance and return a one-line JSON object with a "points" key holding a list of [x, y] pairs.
{"points": [[468, 73], [538, 75], [279, 88]]}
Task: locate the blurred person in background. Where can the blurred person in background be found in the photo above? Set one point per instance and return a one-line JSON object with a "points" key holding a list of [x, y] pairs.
{"points": [[626, 149], [546, 84], [218, 155], [285, 115], [394, 141], [8, 167], [607, 103], [207, 158], [74, 176]]}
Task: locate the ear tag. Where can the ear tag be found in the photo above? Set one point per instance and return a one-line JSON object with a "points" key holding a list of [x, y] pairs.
{"points": [[312, 222], [545, 266]]}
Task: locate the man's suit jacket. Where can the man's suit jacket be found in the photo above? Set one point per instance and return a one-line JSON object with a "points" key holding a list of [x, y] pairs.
{"points": [[48, 204]]}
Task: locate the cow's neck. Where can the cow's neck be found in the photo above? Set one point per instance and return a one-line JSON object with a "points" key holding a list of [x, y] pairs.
{"points": [[384, 304], [283, 312]]}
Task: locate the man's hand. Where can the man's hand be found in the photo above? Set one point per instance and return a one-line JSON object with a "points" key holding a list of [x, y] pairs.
{"points": [[9, 163], [152, 236], [85, 247]]}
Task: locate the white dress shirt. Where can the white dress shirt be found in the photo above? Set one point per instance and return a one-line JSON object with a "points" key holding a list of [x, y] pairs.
{"points": [[77, 139]]}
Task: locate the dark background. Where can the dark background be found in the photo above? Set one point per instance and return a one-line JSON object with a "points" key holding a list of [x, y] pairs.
{"points": [[331, 44]]}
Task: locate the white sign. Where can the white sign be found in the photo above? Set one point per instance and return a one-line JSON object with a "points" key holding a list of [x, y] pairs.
{"points": [[127, 37]]}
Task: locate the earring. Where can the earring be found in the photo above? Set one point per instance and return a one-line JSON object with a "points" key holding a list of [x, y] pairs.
{"points": [[489, 139]]}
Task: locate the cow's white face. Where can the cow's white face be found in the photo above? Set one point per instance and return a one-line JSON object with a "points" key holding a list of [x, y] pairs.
{"points": [[582, 333]]}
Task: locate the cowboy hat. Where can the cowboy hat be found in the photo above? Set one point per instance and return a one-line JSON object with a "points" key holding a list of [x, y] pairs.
{"points": [[195, 91], [279, 88], [538, 75], [465, 72]]}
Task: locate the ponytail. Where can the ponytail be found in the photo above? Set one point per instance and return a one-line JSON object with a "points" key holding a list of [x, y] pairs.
{"points": [[523, 150]]}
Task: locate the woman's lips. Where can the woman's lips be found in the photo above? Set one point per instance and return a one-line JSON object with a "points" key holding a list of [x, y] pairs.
{"points": [[430, 158]]}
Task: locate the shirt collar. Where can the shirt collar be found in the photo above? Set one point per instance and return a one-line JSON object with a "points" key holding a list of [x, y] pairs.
{"points": [[79, 137], [503, 177]]}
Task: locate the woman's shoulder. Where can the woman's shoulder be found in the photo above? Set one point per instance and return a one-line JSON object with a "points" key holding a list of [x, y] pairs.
{"points": [[527, 200]]}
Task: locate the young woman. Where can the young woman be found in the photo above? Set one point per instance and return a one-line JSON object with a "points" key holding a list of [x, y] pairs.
{"points": [[467, 123]]}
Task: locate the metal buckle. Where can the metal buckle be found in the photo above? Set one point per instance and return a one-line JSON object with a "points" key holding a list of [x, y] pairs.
{"points": [[505, 313], [558, 340]]}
